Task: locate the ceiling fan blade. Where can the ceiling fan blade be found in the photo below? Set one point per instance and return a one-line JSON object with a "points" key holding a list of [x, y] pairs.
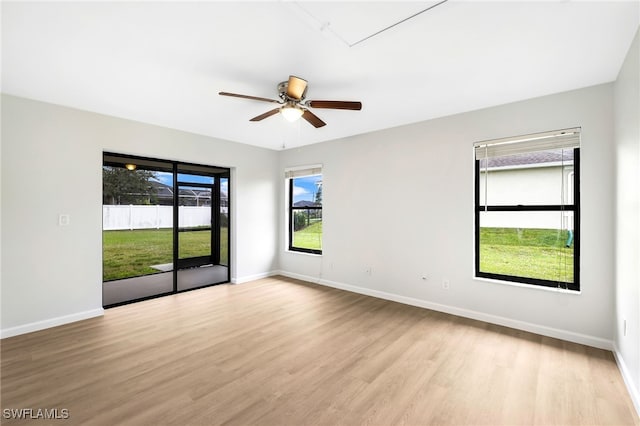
{"points": [[335, 105], [313, 119], [255, 98], [296, 87], [265, 115]]}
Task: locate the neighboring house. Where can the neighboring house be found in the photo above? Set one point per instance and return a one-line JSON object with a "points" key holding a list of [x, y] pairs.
{"points": [[528, 179], [306, 203], [164, 193], [188, 197]]}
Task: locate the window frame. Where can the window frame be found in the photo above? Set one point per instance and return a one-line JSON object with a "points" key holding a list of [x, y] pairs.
{"points": [[575, 208], [292, 209], [174, 167]]}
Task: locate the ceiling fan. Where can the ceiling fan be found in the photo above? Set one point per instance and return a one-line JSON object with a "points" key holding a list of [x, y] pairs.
{"points": [[293, 105]]}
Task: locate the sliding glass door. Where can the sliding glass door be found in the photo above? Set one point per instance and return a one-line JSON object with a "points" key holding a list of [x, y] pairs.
{"points": [[165, 227], [137, 223], [223, 223], [200, 226]]}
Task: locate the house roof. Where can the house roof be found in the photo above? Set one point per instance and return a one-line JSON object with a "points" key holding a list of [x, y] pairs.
{"points": [[305, 203], [166, 191], [165, 62], [532, 158]]}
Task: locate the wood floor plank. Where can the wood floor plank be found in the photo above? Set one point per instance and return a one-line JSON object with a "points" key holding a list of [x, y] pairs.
{"points": [[279, 351]]}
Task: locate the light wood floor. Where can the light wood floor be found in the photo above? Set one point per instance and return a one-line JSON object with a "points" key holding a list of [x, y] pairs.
{"points": [[282, 352]]}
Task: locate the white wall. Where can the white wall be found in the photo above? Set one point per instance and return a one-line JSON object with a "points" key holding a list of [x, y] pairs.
{"points": [[627, 220], [527, 185], [52, 164], [416, 184]]}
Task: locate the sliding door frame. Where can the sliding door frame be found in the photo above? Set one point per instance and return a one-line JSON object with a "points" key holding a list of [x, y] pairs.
{"points": [[177, 167]]}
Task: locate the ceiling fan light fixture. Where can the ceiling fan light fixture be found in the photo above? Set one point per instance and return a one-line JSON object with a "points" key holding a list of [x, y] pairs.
{"points": [[291, 112], [292, 104]]}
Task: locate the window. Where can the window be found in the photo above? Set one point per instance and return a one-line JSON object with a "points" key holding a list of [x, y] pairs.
{"points": [[305, 209], [527, 209]]}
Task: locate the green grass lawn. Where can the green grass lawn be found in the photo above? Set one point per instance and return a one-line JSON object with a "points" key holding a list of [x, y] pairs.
{"points": [[533, 253], [309, 237], [131, 253], [537, 253]]}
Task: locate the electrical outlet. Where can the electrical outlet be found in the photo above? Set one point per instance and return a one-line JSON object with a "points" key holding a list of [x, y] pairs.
{"points": [[445, 284], [64, 220]]}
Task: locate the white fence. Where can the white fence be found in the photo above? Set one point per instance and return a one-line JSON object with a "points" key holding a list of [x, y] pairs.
{"points": [[152, 217]]}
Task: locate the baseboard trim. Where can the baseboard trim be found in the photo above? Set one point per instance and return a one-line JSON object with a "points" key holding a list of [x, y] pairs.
{"points": [[569, 336], [247, 278], [48, 323], [66, 319], [634, 393]]}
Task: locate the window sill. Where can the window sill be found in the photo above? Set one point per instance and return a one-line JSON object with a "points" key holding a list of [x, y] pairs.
{"points": [[531, 286], [303, 253]]}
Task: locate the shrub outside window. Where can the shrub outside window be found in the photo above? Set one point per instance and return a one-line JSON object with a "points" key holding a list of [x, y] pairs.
{"points": [[527, 209]]}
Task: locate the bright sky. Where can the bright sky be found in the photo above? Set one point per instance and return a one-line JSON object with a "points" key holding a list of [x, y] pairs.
{"points": [[305, 188]]}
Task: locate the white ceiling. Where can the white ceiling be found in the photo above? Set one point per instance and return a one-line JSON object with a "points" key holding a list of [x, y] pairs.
{"points": [[164, 63]]}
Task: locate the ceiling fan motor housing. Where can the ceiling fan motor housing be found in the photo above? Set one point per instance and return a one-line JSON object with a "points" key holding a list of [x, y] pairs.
{"points": [[282, 92]]}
